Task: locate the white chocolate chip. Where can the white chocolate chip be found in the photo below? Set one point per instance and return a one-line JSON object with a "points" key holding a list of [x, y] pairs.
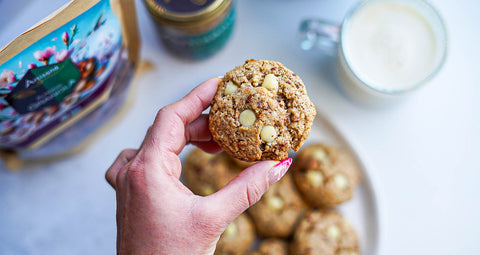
{"points": [[231, 229], [270, 82], [268, 134], [230, 88], [320, 154], [276, 203], [247, 118], [314, 177], [341, 181], [333, 232]]}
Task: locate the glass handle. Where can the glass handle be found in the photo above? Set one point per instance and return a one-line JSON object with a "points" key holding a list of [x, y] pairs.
{"points": [[319, 33]]}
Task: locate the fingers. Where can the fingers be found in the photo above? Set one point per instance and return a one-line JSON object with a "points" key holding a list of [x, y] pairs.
{"points": [[247, 188], [210, 147], [197, 131], [169, 126], [122, 159], [198, 134]]}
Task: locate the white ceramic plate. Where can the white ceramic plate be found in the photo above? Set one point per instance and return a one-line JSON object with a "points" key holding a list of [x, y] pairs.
{"points": [[363, 210]]}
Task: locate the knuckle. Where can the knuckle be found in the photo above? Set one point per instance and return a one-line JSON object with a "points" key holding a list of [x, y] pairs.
{"points": [[108, 175], [166, 110], [110, 179], [135, 174], [124, 153], [120, 178]]}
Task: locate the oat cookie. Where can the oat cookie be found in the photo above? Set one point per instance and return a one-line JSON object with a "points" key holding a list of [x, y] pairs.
{"points": [[205, 173], [325, 175], [278, 211], [272, 246], [240, 163], [324, 233], [237, 237], [260, 111]]}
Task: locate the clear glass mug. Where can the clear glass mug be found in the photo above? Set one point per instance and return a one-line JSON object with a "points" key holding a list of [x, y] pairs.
{"points": [[332, 38]]}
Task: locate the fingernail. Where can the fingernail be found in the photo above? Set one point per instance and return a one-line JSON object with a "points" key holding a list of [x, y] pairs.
{"points": [[278, 171]]}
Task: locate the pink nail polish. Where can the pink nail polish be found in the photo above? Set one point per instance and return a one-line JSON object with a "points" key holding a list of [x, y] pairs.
{"points": [[278, 170]]}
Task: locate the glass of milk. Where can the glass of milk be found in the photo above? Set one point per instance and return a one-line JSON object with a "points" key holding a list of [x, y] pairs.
{"points": [[385, 48]]}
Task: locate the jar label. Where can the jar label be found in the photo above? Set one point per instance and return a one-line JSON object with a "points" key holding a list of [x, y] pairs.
{"points": [[184, 6], [58, 76]]}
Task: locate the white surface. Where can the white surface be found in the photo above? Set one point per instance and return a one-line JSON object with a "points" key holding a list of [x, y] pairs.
{"points": [[424, 150]]}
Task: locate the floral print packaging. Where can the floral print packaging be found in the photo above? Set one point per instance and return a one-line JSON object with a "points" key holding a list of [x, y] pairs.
{"points": [[65, 77]]}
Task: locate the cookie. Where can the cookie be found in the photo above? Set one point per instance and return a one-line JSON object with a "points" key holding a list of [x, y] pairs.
{"points": [[205, 173], [325, 175], [240, 163], [278, 211], [237, 237], [272, 247], [260, 111], [325, 233]]}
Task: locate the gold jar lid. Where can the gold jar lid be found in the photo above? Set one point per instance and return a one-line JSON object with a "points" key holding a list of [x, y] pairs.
{"points": [[185, 11]]}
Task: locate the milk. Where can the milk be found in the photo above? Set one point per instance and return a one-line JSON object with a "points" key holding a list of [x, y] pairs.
{"points": [[389, 47]]}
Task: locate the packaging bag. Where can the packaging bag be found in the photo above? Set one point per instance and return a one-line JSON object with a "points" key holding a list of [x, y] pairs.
{"points": [[66, 76]]}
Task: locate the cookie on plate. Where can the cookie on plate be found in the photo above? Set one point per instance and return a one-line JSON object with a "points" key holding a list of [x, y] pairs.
{"points": [[278, 211], [271, 246], [325, 175], [260, 111], [326, 233], [237, 237], [204, 173], [240, 163]]}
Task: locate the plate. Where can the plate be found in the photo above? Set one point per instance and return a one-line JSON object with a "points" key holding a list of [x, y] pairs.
{"points": [[363, 210]]}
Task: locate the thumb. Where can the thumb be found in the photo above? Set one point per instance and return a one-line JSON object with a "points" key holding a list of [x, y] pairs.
{"points": [[247, 188]]}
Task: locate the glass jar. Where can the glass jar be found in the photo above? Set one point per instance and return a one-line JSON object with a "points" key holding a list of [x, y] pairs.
{"points": [[193, 29]]}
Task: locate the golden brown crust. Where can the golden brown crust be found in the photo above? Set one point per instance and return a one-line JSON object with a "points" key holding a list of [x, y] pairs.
{"points": [[240, 163], [237, 237], [272, 246], [326, 233], [278, 211], [286, 108], [205, 173], [325, 175]]}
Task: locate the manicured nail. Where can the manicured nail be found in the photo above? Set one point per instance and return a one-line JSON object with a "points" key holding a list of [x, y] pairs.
{"points": [[278, 171]]}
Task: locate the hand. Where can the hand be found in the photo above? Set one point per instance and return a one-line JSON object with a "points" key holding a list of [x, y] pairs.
{"points": [[156, 213]]}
